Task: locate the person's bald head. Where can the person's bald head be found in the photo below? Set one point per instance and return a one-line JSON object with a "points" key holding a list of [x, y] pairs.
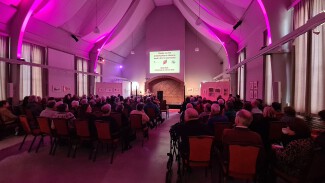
{"points": [[243, 118]]}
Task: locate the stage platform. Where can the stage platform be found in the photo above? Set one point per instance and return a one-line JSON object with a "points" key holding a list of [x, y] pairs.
{"points": [[174, 106]]}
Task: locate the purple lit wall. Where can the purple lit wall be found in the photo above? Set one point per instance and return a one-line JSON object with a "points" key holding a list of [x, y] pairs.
{"points": [[166, 31]]}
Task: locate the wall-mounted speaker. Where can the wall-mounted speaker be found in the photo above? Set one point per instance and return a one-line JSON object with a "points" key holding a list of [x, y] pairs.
{"points": [[74, 37]]}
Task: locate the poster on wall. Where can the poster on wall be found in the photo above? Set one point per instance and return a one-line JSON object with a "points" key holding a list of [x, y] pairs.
{"points": [[56, 89], [255, 85], [251, 85], [211, 90], [225, 92], [108, 90], [255, 94], [251, 94], [66, 89]]}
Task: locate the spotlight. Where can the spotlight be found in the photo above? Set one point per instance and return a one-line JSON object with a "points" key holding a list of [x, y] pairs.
{"points": [[74, 37], [132, 52], [197, 49], [121, 66]]}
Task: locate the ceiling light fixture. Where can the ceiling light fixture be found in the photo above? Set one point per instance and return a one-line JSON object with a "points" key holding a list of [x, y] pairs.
{"points": [[197, 49], [96, 30], [132, 51]]}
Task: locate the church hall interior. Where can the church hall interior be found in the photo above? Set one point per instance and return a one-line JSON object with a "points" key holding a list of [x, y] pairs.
{"points": [[123, 78]]}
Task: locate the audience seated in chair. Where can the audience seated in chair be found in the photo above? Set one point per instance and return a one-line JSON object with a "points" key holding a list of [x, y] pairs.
{"points": [[294, 158], [6, 115], [191, 127], [215, 116], [150, 104], [296, 127], [255, 104], [139, 110], [7, 118], [63, 113], [49, 112], [34, 106], [206, 113], [241, 135], [230, 111]]}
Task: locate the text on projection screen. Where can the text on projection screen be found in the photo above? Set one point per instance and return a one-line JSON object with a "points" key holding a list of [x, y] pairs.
{"points": [[165, 61]]}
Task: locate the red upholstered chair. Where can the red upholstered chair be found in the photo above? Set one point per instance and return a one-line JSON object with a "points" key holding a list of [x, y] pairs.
{"points": [[218, 131], [104, 136], [117, 117], [83, 134], [136, 126], [35, 132], [242, 163], [45, 130], [200, 152], [61, 132]]}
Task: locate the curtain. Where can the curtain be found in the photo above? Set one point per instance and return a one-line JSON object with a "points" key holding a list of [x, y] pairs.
{"points": [[98, 78], [31, 77], [317, 61], [79, 77], [3, 52], [268, 80], [82, 79], [85, 77], [241, 75], [301, 15], [37, 58], [25, 73]]}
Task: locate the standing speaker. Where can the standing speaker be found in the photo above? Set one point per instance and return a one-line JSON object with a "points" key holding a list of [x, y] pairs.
{"points": [[160, 95]]}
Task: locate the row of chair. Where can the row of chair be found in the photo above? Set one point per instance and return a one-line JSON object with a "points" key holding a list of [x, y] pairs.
{"points": [[58, 128], [242, 159]]}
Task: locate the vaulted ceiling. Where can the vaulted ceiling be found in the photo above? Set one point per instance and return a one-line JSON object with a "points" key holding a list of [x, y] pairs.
{"points": [[127, 18]]}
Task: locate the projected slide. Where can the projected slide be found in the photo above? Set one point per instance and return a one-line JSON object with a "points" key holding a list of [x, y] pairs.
{"points": [[165, 61]]}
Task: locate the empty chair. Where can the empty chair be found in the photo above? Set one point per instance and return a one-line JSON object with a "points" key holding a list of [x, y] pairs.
{"points": [[104, 136], [35, 132], [83, 134], [45, 130], [200, 152], [164, 108], [241, 164], [136, 125], [117, 117], [61, 132]]}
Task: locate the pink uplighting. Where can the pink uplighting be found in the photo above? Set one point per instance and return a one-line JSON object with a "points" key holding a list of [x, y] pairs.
{"points": [[267, 22], [23, 27], [101, 37]]}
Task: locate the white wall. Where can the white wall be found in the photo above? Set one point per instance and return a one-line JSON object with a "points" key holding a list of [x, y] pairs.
{"points": [[59, 78], [199, 66]]}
